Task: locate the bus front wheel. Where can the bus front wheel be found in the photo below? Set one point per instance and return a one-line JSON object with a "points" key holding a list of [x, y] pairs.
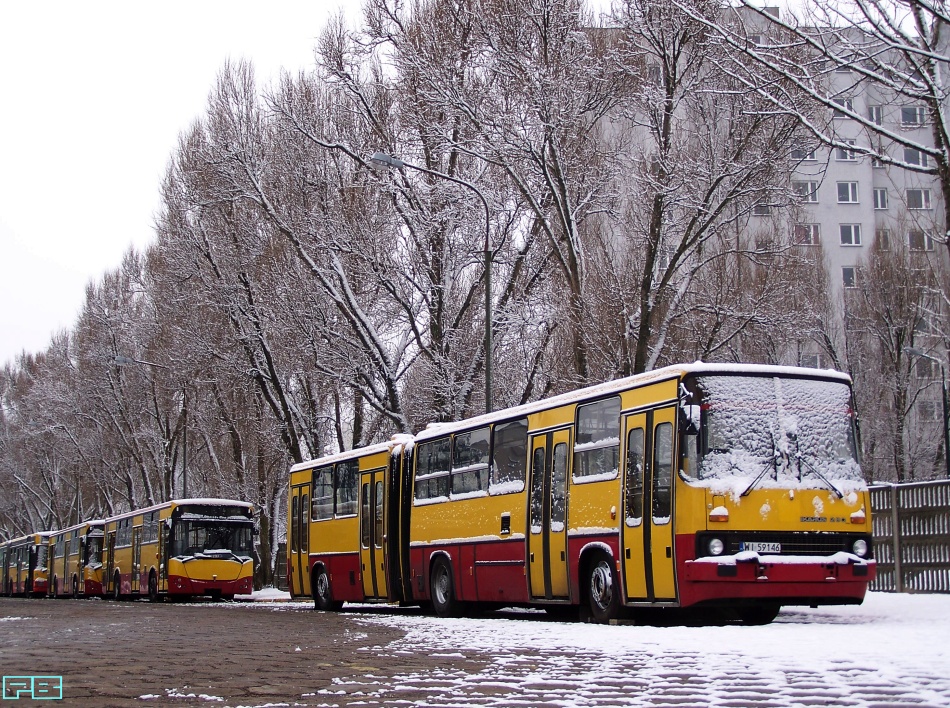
{"points": [[443, 589], [758, 615], [603, 590], [322, 593]]}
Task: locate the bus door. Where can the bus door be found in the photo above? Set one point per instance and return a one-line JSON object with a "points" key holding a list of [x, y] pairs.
{"points": [[299, 550], [136, 557], [372, 535], [547, 537], [648, 506], [110, 562], [81, 564]]}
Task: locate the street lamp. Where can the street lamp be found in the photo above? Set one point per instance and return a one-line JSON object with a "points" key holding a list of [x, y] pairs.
{"points": [[946, 404], [120, 360], [382, 160]]}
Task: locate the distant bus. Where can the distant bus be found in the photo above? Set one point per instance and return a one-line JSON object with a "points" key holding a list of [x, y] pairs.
{"points": [[180, 548], [23, 565], [732, 489], [75, 555]]}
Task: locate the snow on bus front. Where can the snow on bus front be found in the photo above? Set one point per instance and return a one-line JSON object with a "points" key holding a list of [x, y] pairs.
{"points": [[777, 458]]}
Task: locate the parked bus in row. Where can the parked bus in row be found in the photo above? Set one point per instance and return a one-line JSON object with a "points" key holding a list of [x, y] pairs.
{"points": [[179, 549], [729, 488], [23, 565], [75, 555]]}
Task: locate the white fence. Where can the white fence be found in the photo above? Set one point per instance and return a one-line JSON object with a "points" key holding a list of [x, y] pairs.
{"points": [[912, 536]]}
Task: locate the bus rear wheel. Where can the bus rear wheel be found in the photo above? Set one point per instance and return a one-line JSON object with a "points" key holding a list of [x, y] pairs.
{"points": [[603, 590], [443, 590], [322, 593]]}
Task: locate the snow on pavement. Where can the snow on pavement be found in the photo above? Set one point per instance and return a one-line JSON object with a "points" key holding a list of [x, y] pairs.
{"points": [[891, 651]]}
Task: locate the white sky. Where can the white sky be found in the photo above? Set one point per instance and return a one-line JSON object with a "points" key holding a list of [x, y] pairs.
{"points": [[95, 96]]}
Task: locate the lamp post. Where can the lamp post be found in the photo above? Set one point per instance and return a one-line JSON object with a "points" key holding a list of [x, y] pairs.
{"points": [[120, 360], [382, 160], [946, 404]]}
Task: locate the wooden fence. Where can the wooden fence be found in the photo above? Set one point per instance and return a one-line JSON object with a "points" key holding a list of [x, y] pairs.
{"points": [[912, 536]]}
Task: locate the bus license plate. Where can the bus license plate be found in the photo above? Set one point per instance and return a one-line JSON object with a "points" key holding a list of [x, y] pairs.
{"points": [[761, 547]]}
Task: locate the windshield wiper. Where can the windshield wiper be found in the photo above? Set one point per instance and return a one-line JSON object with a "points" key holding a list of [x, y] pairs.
{"points": [[800, 458], [773, 462]]}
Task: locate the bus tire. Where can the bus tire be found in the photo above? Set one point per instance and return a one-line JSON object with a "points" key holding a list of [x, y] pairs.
{"points": [[322, 592], [75, 588], [55, 586], [603, 591], [442, 589], [117, 586], [152, 587], [758, 614]]}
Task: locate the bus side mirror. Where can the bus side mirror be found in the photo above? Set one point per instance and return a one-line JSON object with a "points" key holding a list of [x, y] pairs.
{"points": [[690, 417]]}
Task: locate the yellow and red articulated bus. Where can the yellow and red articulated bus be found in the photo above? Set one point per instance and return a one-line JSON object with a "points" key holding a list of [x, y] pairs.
{"points": [[23, 565], [180, 548], [729, 489], [75, 560]]}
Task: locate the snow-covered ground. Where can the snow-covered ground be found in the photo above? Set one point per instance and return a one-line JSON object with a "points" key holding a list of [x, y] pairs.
{"points": [[892, 650]]}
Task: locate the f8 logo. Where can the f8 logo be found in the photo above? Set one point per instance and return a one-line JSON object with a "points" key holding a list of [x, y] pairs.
{"points": [[37, 688]]}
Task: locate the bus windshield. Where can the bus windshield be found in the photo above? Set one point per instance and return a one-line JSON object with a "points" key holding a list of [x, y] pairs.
{"points": [[213, 536], [771, 431]]}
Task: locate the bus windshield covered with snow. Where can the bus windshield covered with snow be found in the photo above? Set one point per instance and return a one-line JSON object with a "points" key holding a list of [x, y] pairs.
{"points": [[730, 488]]}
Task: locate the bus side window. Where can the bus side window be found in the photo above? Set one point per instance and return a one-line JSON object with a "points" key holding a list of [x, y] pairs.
{"points": [[634, 478], [662, 468], [293, 523]]}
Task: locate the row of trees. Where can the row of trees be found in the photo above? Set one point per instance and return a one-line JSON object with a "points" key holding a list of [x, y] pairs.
{"points": [[298, 299]]}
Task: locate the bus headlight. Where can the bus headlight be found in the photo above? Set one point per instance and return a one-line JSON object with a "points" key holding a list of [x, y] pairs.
{"points": [[860, 548], [715, 546]]}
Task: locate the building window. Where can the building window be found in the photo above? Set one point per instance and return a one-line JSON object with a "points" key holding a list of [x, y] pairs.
{"points": [[882, 237], [761, 210], [925, 369], [916, 157], [847, 192], [876, 114], [847, 104], [927, 411], [845, 155], [880, 199], [807, 234], [849, 276], [806, 191], [918, 198], [920, 241], [912, 116], [802, 152], [850, 234], [814, 361]]}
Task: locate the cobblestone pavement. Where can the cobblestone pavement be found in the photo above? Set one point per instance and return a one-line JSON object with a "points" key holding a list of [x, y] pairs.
{"points": [[233, 654]]}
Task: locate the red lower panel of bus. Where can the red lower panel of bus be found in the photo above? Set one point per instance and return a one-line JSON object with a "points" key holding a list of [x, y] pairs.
{"points": [[815, 580], [91, 587], [484, 571], [181, 585], [346, 584]]}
